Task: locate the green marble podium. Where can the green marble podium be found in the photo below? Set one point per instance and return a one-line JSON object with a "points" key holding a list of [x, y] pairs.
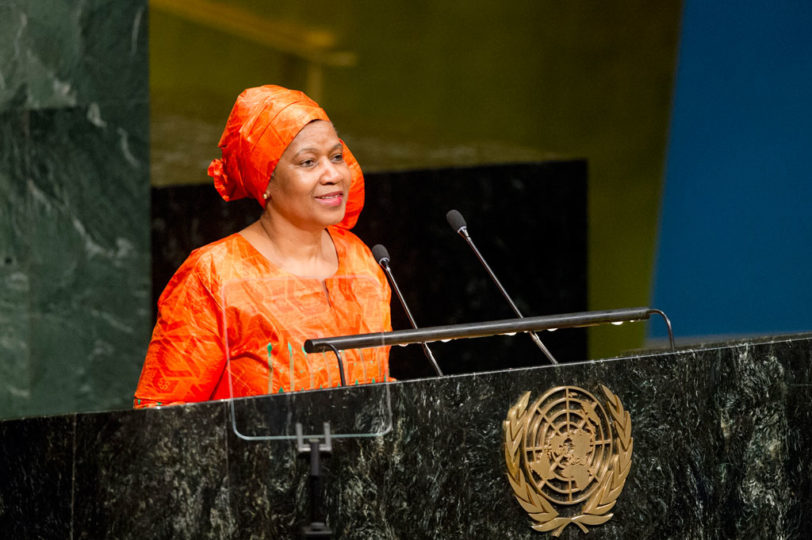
{"points": [[721, 450]]}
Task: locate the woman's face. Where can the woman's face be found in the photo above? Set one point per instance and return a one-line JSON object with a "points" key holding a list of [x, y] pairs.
{"points": [[310, 183]]}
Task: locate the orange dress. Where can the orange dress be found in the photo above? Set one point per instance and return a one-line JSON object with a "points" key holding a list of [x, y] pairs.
{"points": [[230, 311]]}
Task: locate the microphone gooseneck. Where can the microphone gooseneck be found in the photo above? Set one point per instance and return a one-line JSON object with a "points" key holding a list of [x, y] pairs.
{"points": [[457, 223], [382, 256]]}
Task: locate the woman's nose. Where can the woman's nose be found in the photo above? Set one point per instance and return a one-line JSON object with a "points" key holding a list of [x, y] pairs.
{"points": [[331, 172]]}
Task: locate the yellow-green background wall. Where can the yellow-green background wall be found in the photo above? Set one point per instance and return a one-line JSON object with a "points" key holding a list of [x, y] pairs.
{"points": [[438, 83]]}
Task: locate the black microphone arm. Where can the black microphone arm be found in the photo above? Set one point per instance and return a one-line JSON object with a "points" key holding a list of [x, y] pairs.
{"points": [[382, 256], [457, 223]]}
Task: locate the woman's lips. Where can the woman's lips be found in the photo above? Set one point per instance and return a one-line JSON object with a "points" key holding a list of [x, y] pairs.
{"points": [[331, 199]]}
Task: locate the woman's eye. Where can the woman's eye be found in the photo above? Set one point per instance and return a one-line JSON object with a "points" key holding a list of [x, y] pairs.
{"points": [[306, 163], [338, 158]]}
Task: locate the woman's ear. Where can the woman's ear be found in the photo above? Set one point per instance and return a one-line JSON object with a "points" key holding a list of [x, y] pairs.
{"points": [[267, 194]]}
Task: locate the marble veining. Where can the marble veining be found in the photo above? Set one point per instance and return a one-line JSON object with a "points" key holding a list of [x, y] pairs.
{"points": [[74, 205], [721, 450]]}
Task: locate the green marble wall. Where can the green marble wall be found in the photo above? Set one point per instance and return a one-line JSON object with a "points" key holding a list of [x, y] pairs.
{"points": [[74, 204]]}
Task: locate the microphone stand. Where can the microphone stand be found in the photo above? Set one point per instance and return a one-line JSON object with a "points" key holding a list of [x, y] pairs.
{"points": [[382, 255], [318, 524], [457, 222]]}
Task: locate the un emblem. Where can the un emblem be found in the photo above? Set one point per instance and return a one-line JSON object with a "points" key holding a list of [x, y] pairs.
{"points": [[567, 459]]}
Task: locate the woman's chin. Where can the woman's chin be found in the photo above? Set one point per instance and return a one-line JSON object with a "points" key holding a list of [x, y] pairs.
{"points": [[326, 219], [334, 216]]}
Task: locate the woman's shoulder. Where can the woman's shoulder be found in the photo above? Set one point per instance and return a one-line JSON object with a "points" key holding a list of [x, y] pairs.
{"points": [[229, 258], [216, 254]]}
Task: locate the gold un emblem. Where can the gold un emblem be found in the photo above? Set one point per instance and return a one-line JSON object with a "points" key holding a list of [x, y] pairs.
{"points": [[560, 452]]}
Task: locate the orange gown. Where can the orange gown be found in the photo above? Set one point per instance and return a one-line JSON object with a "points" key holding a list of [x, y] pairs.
{"points": [[228, 310]]}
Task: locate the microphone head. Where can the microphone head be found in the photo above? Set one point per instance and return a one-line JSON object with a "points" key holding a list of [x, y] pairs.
{"points": [[456, 220], [381, 254]]}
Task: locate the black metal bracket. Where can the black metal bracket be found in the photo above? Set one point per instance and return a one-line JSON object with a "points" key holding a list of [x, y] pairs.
{"points": [[313, 446]]}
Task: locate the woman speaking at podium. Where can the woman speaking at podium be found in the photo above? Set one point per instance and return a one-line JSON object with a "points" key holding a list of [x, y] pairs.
{"points": [[233, 319]]}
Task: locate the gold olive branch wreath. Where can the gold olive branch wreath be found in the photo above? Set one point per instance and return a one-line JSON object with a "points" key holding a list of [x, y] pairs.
{"points": [[602, 500]]}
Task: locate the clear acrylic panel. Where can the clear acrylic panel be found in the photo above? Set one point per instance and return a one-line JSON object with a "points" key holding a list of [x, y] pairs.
{"points": [[265, 323]]}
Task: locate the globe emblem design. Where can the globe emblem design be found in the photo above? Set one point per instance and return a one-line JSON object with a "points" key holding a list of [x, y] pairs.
{"points": [[567, 447]]}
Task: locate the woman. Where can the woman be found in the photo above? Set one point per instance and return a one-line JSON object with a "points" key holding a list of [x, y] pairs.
{"points": [[233, 319]]}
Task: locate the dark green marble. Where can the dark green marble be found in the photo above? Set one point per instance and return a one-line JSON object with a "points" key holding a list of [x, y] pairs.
{"points": [[89, 278], [13, 76], [113, 456], [721, 450], [14, 253], [37, 494], [74, 184], [79, 53]]}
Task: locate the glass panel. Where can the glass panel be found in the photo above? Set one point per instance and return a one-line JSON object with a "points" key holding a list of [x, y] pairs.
{"points": [[265, 323]]}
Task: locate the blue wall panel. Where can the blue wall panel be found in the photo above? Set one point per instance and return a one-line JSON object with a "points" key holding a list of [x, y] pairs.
{"points": [[735, 245]]}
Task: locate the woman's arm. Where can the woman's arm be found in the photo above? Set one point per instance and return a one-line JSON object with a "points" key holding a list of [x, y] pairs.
{"points": [[186, 357]]}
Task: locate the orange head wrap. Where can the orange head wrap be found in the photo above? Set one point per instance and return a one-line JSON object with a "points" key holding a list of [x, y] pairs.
{"points": [[263, 122]]}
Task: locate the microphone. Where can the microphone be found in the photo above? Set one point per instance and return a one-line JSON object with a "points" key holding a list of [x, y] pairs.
{"points": [[457, 223], [382, 256]]}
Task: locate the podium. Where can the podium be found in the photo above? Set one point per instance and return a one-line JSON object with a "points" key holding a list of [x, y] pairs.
{"points": [[721, 450]]}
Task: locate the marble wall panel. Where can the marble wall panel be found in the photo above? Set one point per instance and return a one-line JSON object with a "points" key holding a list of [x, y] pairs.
{"points": [[13, 22], [754, 429], [14, 249], [721, 450], [268, 479], [798, 441], [15, 317], [74, 183], [88, 273], [37, 457], [708, 458], [80, 53], [117, 455], [799, 464], [267, 484]]}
